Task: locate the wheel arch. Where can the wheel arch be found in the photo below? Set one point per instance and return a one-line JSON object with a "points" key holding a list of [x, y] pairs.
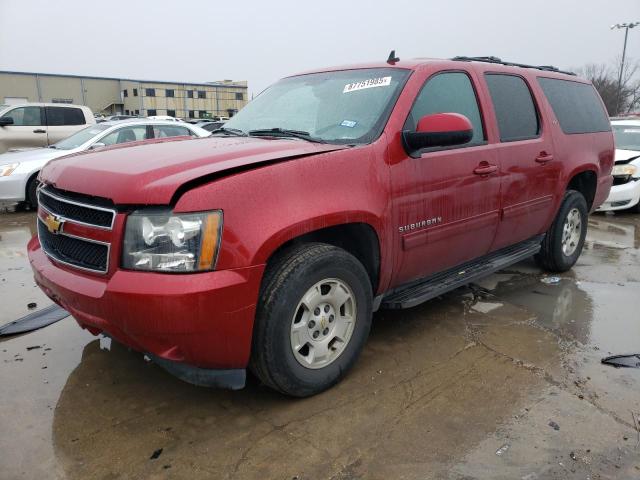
{"points": [[360, 239], [586, 182]]}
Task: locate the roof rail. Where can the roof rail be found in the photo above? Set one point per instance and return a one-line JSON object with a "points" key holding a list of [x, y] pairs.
{"points": [[490, 59]]}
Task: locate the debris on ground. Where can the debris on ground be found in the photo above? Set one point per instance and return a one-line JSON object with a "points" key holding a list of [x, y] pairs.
{"points": [[156, 454], [573, 457], [502, 449], [554, 425], [33, 347], [550, 280], [32, 305], [34, 320], [618, 361]]}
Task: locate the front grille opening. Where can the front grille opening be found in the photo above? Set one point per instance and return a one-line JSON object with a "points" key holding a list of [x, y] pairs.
{"points": [[73, 211], [74, 251]]}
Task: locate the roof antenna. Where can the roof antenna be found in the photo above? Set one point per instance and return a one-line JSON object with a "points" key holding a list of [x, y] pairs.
{"points": [[392, 58]]}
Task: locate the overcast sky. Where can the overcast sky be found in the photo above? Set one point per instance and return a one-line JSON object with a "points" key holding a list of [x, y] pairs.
{"points": [[261, 41]]}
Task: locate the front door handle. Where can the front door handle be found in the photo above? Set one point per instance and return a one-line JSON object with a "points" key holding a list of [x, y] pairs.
{"points": [[39, 131], [544, 157], [485, 169]]}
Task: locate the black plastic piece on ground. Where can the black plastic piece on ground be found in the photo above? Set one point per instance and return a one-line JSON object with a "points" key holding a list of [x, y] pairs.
{"points": [[415, 293], [629, 361], [233, 379], [33, 321]]}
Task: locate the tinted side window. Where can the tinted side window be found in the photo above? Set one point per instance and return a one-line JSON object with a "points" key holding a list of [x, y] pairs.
{"points": [[26, 116], [57, 116], [124, 135], [577, 106], [450, 92], [163, 131], [514, 107]]}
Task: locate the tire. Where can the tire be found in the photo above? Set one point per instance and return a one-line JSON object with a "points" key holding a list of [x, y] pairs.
{"points": [[556, 256], [306, 280], [32, 187]]}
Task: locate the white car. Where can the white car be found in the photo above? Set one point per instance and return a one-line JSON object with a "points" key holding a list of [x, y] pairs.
{"points": [[625, 192], [18, 170]]}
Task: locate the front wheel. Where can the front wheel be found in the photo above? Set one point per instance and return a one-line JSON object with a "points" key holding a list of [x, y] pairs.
{"points": [[563, 242], [32, 192], [313, 319]]}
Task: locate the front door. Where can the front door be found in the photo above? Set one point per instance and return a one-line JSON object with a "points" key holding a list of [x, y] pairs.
{"points": [[446, 200], [27, 131]]}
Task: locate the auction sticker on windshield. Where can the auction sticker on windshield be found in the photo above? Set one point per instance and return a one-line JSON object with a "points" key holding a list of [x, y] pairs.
{"points": [[370, 83]]}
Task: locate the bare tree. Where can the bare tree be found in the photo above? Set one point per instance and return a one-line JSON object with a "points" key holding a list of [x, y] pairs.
{"points": [[619, 99]]}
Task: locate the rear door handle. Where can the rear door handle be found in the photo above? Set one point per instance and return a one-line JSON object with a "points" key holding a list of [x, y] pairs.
{"points": [[39, 131], [544, 157], [485, 169]]}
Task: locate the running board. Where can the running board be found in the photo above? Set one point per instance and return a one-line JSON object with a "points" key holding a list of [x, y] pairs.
{"points": [[423, 290]]}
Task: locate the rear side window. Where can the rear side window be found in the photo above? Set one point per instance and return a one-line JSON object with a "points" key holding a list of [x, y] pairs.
{"points": [[57, 116], [163, 131], [576, 105], [514, 107], [449, 92]]}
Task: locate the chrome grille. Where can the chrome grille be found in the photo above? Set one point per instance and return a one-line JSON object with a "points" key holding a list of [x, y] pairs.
{"points": [[74, 251], [78, 212], [66, 247]]}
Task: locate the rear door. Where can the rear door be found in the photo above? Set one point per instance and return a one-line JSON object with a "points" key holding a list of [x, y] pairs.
{"points": [[62, 122], [529, 171], [446, 209], [27, 131]]}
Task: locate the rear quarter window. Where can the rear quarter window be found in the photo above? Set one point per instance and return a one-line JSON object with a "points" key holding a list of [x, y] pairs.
{"points": [[576, 105]]}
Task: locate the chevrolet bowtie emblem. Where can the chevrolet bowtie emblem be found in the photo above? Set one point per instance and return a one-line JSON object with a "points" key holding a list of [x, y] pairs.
{"points": [[54, 224]]}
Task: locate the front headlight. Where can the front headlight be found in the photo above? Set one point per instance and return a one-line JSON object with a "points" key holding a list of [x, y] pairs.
{"points": [[624, 170], [8, 169], [160, 240]]}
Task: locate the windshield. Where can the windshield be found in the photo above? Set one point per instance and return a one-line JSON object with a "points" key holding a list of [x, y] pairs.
{"points": [[627, 137], [83, 136], [349, 106]]}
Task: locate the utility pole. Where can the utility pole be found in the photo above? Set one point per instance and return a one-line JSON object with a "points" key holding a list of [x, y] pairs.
{"points": [[626, 27]]}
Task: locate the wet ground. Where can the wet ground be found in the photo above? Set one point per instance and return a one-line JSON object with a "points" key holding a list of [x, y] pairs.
{"points": [[500, 380]]}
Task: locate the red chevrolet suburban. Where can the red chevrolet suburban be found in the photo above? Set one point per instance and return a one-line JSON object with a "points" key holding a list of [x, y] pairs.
{"points": [[334, 193]]}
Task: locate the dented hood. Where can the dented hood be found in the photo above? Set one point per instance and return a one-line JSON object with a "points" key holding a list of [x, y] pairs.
{"points": [[150, 173]]}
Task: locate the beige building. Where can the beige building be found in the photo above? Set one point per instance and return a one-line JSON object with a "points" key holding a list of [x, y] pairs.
{"points": [[130, 97]]}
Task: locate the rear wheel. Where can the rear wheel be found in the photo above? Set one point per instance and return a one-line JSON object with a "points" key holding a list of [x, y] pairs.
{"points": [[563, 242], [32, 192], [312, 321]]}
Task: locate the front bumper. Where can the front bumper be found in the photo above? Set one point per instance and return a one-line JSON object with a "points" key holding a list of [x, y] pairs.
{"points": [[12, 188], [203, 320], [622, 197]]}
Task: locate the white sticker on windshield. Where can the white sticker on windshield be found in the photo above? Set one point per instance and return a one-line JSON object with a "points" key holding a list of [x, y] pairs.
{"points": [[631, 130], [370, 83], [348, 123]]}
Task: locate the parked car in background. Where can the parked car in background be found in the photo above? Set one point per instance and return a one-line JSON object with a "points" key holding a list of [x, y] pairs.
{"points": [[37, 125], [332, 194], [625, 192], [211, 126], [18, 170]]}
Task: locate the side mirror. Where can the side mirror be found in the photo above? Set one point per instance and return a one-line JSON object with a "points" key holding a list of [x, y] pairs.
{"points": [[97, 145], [6, 121], [439, 130]]}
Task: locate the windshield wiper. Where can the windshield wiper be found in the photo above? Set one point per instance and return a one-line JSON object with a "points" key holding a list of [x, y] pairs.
{"points": [[229, 131], [284, 132]]}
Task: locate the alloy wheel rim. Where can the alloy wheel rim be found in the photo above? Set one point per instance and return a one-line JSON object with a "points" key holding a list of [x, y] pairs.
{"points": [[323, 323], [571, 232]]}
